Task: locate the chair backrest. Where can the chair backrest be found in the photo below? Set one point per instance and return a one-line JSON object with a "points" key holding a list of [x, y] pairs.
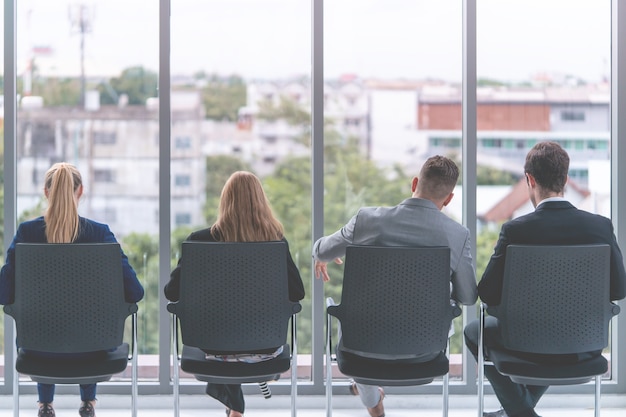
{"points": [[555, 299], [69, 298], [395, 300], [234, 297]]}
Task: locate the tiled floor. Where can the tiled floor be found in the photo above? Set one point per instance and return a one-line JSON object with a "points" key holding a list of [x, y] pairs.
{"points": [[313, 406]]}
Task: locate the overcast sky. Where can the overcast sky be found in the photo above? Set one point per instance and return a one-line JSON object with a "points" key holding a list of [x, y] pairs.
{"points": [[370, 38]]}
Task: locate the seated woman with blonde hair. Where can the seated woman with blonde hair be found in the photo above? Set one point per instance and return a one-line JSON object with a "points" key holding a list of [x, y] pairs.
{"points": [[244, 215]]}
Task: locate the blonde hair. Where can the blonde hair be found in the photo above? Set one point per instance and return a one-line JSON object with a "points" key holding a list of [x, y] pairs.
{"points": [[61, 217], [244, 213]]}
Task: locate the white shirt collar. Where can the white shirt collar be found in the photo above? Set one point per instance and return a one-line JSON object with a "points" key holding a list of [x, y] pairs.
{"points": [[550, 199]]}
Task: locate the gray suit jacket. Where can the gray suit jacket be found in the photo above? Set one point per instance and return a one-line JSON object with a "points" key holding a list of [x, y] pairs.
{"points": [[414, 222]]}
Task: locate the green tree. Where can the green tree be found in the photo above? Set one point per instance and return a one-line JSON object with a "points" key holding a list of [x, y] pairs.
{"points": [[290, 111], [58, 91], [137, 83], [142, 250], [223, 97]]}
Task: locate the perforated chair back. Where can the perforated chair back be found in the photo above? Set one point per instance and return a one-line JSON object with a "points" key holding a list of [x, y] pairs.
{"points": [[234, 297], [555, 299], [395, 300], [69, 298]]}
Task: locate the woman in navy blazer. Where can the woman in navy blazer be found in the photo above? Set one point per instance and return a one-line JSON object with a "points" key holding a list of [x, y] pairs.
{"points": [[62, 224]]}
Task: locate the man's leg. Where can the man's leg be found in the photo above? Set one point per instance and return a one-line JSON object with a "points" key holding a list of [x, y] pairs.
{"points": [[372, 398], [516, 399], [369, 394]]}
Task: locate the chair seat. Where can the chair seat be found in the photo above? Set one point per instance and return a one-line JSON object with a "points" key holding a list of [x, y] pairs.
{"points": [[194, 361], [525, 371], [391, 372], [60, 370]]}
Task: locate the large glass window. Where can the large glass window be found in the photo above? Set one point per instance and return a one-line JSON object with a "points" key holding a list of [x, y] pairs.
{"points": [[380, 59], [541, 78], [2, 98], [87, 82], [241, 100]]}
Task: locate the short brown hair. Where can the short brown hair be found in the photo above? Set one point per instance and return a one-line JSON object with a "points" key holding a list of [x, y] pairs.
{"points": [[548, 163], [438, 177]]}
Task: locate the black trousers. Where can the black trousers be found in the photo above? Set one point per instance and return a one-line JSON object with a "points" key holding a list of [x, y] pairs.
{"points": [[230, 395]]}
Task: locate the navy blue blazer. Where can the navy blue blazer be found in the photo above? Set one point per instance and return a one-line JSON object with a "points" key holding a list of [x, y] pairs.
{"points": [[33, 231], [553, 223]]}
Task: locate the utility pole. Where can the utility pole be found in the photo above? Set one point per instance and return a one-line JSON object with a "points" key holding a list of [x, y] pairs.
{"points": [[80, 21]]}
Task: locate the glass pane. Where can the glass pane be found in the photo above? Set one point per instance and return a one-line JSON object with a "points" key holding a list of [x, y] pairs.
{"points": [[241, 101], [87, 86], [2, 168], [547, 83], [380, 59]]}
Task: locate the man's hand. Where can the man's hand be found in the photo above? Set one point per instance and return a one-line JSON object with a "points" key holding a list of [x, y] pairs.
{"points": [[322, 272]]}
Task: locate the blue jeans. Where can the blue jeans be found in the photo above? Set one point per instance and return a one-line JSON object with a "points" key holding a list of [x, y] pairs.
{"points": [[46, 392]]}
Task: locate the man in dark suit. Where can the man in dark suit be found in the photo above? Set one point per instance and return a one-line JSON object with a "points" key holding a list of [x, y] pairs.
{"points": [[555, 221]]}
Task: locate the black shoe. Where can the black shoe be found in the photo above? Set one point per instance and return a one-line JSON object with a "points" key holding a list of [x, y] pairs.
{"points": [[499, 413], [86, 409], [45, 410]]}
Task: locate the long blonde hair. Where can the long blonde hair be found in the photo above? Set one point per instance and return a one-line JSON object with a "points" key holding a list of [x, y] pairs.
{"points": [[62, 181], [244, 213]]}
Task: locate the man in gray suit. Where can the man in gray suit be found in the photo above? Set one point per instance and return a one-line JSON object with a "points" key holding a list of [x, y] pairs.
{"points": [[417, 221]]}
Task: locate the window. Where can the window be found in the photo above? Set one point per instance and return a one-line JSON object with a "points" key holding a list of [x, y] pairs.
{"points": [[182, 180], [183, 219], [182, 142], [573, 116], [104, 138], [103, 175]]}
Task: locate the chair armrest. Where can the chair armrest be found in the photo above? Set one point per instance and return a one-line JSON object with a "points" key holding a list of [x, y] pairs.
{"points": [[132, 353], [171, 307], [331, 307], [296, 308], [8, 309], [456, 310], [615, 309], [491, 310]]}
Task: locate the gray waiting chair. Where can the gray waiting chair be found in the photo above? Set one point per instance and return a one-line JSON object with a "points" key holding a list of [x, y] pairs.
{"points": [[69, 298], [395, 302], [555, 301], [234, 299]]}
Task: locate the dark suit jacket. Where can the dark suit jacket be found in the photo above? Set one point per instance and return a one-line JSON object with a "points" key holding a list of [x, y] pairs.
{"points": [[33, 231], [296, 287], [552, 223]]}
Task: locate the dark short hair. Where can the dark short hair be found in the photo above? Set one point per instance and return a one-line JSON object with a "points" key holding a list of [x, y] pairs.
{"points": [[548, 163], [438, 176]]}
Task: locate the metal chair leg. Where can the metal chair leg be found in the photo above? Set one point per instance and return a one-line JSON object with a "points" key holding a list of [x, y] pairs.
{"points": [[176, 380], [16, 380], [481, 364], [598, 394], [294, 366]]}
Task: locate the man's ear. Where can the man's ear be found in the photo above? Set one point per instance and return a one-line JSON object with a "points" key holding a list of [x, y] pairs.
{"points": [[448, 199], [414, 182]]}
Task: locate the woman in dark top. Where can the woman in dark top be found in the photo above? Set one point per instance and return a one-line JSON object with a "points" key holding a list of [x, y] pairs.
{"points": [[61, 224], [244, 215]]}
